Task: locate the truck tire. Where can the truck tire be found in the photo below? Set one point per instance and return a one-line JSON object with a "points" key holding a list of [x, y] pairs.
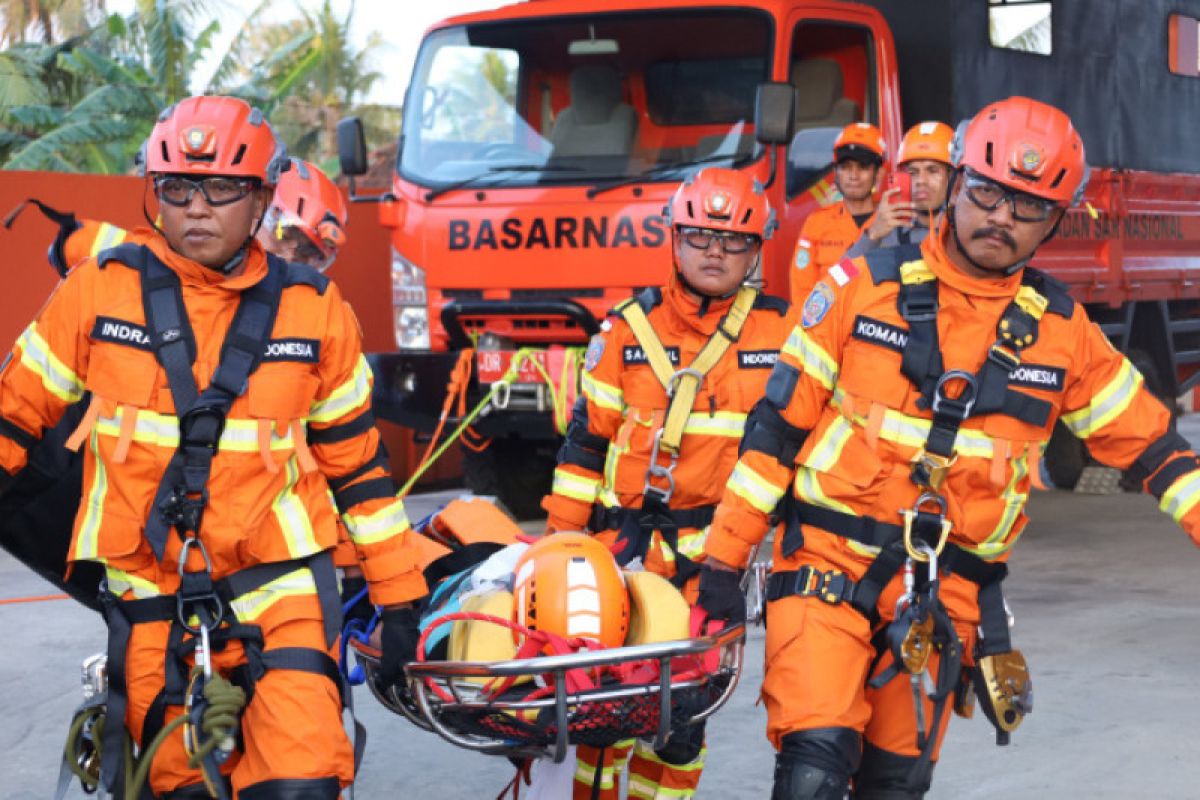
{"points": [[518, 473], [1065, 457]]}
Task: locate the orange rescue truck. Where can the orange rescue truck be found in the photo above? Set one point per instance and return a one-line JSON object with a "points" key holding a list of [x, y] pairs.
{"points": [[541, 141]]}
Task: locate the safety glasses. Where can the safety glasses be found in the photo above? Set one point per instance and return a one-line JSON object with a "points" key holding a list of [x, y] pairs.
{"points": [[988, 195], [217, 190], [702, 238]]}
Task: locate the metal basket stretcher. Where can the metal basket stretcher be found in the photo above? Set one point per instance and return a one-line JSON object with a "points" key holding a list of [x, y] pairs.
{"points": [[458, 699]]}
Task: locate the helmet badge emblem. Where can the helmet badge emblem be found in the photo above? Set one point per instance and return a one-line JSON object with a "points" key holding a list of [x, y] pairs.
{"points": [[717, 204], [1031, 158], [199, 140]]}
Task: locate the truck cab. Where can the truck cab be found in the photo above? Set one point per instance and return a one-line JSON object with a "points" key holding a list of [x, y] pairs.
{"points": [[540, 144]]}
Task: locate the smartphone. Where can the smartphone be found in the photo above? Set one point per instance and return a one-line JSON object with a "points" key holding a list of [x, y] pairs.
{"points": [[903, 181]]}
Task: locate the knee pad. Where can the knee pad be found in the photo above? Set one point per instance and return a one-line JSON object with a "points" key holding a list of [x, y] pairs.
{"points": [[684, 746], [885, 775], [816, 764], [293, 789]]}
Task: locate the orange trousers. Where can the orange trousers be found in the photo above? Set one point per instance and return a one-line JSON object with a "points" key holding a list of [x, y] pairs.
{"points": [[292, 727], [818, 662]]}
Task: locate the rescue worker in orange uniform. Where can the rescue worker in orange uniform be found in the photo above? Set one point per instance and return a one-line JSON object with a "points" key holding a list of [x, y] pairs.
{"points": [[902, 422], [925, 155], [858, 155], [306, 222], [229, 397], [642, 471]]}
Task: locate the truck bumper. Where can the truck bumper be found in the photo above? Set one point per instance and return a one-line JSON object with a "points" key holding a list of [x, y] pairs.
{"points": [[410, 389]]}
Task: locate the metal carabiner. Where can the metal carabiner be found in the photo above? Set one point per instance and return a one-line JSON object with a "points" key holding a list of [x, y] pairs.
{"points": [[679, 375], [202, 627], [655, 470], [966, 397], [910, 516]]}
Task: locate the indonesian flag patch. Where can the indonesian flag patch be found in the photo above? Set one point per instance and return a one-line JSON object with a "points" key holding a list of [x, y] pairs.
{"points": [[843, 272]]}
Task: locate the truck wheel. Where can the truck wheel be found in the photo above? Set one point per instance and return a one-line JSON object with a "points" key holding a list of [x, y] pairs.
{"points": [[518, 473], [1066, 456]]}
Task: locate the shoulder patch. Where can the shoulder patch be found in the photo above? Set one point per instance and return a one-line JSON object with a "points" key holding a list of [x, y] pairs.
{"points": [[770, 302], [803, 254], [595, 352], [817, 305]]}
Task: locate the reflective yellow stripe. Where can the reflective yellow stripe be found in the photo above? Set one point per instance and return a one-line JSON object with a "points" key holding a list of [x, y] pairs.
{"points": [[601, 393], [345, 398], [914, 431], [576, 487], [87, 542], [1014, 500], [36, 356], [1107, 404], [250, 606], [644, 751], [120, 582], [731, 424], [107, 235], [383, 524], [812, 357], [1182, 496], [827, 451], [162, 430], [293, 517], [754, 488]]}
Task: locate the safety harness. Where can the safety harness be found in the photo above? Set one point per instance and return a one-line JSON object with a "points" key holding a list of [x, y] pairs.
{"points": [[637, 525], [919, 546], [203, 607]]}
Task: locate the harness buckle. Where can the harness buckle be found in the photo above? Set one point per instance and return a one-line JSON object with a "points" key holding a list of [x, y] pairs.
{"points": [[929, 469], [656, 470], [188, 421], [832, 587], [184, 511], [923, 551], [1006, 360], [959, 407]]}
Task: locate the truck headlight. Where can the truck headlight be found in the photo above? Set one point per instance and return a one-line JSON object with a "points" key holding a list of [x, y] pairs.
{"points": [[409, 304]]}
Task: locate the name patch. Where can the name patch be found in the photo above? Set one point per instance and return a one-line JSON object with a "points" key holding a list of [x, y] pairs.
{"points": [[633, 354], [1037, 376], [118, 331], [757, 359], [880, 333], [304, 350]]}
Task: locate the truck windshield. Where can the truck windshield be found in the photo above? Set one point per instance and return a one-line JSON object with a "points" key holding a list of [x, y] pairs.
{"points": [[585, 99]]}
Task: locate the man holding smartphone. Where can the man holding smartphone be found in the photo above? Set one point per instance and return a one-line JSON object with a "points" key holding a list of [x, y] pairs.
{"points": [[915, 196]]}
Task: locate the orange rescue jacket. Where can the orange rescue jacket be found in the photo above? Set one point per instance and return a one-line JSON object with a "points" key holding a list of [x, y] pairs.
{"points": [[303, 422], [839, 379], [607, 453], [825, 237]]}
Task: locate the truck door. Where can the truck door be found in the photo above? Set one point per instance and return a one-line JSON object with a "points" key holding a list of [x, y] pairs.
{"points": [[834, 64]]}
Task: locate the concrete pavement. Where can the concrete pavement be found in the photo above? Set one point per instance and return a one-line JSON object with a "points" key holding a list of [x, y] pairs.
{"points": [[1104, 588]]}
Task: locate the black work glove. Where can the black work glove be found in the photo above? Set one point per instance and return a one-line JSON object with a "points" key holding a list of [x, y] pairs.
{"points": [[721, 595], [363, 609], [398, 643]]}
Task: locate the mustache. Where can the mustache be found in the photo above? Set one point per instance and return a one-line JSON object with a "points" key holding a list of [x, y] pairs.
{"points": [[1002, 235]]}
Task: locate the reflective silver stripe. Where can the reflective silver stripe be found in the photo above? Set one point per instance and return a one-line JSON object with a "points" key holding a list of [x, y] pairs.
{"points": [[731, 424], [1182, 496], [162, 430], [251, 605], [575, 486]]}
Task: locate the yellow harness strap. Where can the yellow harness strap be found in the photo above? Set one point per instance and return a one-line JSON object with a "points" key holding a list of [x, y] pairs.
{"points": [[683, 385]]}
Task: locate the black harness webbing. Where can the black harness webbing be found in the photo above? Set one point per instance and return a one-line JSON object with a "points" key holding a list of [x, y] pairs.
{"points": [[636, 528], [864, 594]]}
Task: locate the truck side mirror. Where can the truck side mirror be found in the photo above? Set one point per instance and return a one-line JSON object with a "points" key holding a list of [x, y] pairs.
{"points": [[774, 112], [352, 146]]}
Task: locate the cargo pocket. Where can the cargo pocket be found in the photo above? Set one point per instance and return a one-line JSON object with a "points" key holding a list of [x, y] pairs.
{"points": [[278, 399]]}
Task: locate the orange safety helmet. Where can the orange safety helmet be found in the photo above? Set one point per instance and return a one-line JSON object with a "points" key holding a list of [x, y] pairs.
{"points": [[569, 584], [862, 142], [926, 141], [306, 199], [210, 135], [724, 200], [1025, 145]]}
